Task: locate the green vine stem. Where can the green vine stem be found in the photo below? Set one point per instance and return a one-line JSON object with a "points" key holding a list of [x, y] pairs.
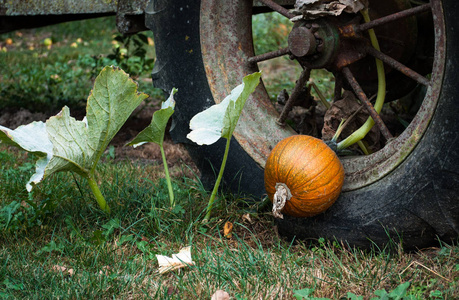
{"points": [[339, 130], [168, 177], [366, 127], [219, 179], [98, 194], [363, 147]]}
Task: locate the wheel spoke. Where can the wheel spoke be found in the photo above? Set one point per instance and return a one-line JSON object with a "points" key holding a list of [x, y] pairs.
{"points": [[274, 6], [269, 55], [394, 17], [397, 65], [304, 77], [366, 103], [338, 85]]}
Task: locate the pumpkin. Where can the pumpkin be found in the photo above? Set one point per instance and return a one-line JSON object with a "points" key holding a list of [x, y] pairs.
{"points": [[303, 176]]}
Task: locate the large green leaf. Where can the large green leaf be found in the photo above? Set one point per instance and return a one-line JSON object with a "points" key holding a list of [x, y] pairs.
{"points": [[72, 148], [111, 102], [71, 145], [233, 112], [220, 120], [78, 145]]}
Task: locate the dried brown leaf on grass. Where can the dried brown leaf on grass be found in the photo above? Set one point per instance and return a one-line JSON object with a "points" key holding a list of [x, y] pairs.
{"points": [[228, 230], [427, 268]]}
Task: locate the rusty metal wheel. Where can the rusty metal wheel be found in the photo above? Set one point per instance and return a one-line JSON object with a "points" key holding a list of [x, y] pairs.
{"points": [[228, 54], [208, 47]]}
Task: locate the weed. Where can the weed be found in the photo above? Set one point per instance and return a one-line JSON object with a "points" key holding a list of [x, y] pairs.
{"points": [[270, 31], [131, 54]]}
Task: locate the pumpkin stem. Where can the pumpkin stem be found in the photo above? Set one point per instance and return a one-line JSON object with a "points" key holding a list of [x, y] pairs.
{"points": [[281, 196]]}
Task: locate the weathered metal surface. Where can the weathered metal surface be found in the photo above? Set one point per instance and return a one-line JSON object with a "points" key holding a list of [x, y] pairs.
{"points": [[397, 65], [350, 51], [223, 68], [131, 7], [366, 103], [29, 14], [64, 7], [338, 86], [393, 17], [277, 7], [398, 39], [364, 170], [302, 42], [297, 90], [55, 7], [130, 24], [258, 3], [269, 55], [130, 16], [327, 41]]}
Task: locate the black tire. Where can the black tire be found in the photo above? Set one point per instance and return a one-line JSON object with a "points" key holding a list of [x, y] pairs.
{"points": [[417, 202]]}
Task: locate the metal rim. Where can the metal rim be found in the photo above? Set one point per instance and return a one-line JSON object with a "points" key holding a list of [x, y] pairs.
{"points": [[226, 42]]}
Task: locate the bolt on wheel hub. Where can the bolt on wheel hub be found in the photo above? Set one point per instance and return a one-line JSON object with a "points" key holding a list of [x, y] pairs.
{"points": [[314, 45], [302, 42]]}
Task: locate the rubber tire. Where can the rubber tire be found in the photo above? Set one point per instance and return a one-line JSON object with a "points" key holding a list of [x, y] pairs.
{"points": [[416, 204]]}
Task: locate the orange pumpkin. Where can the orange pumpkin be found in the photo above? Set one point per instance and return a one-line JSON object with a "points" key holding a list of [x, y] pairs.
{"points": [[303, 176]]}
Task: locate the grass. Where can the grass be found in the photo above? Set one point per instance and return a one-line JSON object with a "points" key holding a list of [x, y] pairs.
{"points": [[56, 243], [44, 77]]}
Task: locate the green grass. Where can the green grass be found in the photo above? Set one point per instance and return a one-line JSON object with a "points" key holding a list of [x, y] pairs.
{"points": [[43, 79], [56, 243]]}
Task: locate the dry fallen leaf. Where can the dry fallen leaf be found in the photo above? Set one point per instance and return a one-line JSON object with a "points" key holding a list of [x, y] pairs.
{"points": [[312, 9], [227, 230], [177, 261], [247, 218], [220, 295]]}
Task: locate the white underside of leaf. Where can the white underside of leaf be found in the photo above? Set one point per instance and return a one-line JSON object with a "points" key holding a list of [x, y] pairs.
{"points": [[206, 126], [205, 136], [220, 120], [32, 137], [40, 167]]}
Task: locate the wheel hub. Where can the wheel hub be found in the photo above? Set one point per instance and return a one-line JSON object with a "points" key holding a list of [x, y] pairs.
{"points": [[315, 44]]}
